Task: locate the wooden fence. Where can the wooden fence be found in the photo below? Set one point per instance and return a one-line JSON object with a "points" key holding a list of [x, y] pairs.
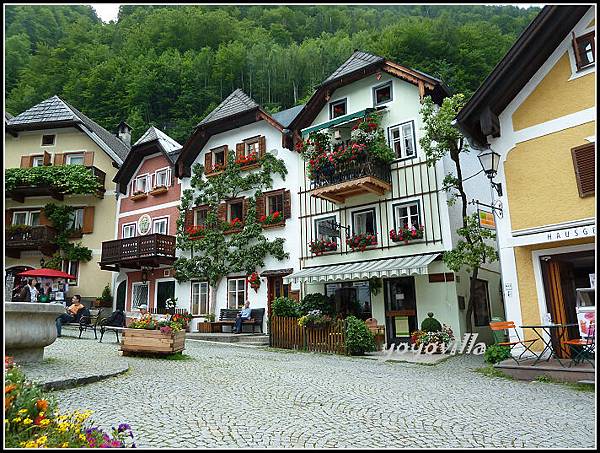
{"points": [[285, 333]]}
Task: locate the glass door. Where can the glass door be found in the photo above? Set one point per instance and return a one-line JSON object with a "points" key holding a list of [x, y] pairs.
{"points": [[165, 290], [400, 309]]}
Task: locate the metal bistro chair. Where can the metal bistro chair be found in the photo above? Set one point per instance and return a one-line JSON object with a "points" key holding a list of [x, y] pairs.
{"points": [[583, 348], [507, 325]]}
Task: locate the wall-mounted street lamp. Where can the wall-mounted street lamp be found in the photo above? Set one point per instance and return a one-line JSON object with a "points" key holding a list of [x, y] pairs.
{"points": [[144, 276], [490, 160], [42, 262]]}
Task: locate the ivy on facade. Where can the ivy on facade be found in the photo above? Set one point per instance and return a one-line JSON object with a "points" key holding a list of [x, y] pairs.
{"points": [[71, 179]]}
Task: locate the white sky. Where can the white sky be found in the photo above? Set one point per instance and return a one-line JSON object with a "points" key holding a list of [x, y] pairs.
{"points": [[109, 11]]}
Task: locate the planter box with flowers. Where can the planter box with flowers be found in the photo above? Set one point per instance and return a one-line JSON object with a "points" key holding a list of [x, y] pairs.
{"points": [[195, 232], [139, 195], [150, 336], [234, 226], [248, 162], [361, 241], [407, 234], [214, 170], [272, 220], [432, 333], [321, 246], [159, 190], [314, 319]]}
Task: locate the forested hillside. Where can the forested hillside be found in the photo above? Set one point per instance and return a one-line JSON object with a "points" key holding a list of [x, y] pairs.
{"points": [[170, 65]]}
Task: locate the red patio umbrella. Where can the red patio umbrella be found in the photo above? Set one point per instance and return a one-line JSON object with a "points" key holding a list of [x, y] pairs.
{"points": [[50, 273]]}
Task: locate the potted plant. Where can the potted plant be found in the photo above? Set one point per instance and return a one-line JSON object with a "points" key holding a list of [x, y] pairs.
{"points": [[250, 159], [254, 281], [106, 299], [195, 232], [406, 233], [157, 190], [147, 335], [314, 319], [361, 241], [272, 219], [170, 305], [321, 246]]}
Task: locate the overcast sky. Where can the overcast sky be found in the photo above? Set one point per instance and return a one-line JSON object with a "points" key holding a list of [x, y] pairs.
{"points": [[109, 11]]}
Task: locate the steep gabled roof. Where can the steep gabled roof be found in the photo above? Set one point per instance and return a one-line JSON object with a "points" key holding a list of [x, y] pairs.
{"points": [[151, 142], [7, 116], [54, 112], [285, 117], [236, 102], [356, 61]]}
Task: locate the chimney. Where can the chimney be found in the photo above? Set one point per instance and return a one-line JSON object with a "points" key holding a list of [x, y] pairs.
{"points": [[124, 132]]}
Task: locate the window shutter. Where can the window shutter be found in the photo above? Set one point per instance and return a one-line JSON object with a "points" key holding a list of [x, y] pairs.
{"points": [[226, 148], [260, 206], [189, 219], [262, 146], [239, 150], [43, 219], [222, 211], [88, 158], [207, 162], [26, 161], [47, 158], [576, 51], [244, 210], [88, 220], [585, 168], [59, 159], [8, 217], [287, 205]]}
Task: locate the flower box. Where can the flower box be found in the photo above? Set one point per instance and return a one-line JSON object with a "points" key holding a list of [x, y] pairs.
{"points": [[361, 241], [139, 196], [275, 219], [152, 341], [407, 234], [319, 247], [159, 190]]}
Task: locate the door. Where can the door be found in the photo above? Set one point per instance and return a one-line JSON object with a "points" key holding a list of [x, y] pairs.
{"points": [[121, 290], [165, 290], [400, 309], [275, 289]]}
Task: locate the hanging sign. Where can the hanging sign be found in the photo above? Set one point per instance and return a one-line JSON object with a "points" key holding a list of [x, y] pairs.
{"points": [[486, 219], [329, 228], [144, 224]]}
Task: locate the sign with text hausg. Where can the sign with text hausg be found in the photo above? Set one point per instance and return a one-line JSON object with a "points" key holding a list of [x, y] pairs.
{"points": [[561, 234], [486, 219]]}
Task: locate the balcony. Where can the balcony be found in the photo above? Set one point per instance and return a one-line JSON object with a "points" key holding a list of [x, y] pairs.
{"points": [[152, 250], [54, 188], [39, 238], [351, 179]]}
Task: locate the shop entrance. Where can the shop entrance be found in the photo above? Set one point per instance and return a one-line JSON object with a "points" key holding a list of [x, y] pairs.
{"points": [[400, 309]]}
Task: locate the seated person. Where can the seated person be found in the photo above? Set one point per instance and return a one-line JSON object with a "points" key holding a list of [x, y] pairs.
{"points": [[73, 313], [241, 317]]}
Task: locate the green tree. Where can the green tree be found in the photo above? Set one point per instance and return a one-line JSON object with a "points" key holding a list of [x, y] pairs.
{"points": [[441, 139]]}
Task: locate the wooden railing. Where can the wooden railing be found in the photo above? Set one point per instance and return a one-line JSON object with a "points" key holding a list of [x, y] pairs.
{"points": [[151, 245], [31, 237], [354, 170], [285, 333]]}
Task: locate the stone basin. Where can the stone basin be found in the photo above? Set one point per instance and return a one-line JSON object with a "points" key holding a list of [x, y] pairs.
{"points": [[28, 328]]}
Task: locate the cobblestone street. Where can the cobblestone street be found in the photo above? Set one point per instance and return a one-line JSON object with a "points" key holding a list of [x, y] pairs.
{"points": [[229, 396]]}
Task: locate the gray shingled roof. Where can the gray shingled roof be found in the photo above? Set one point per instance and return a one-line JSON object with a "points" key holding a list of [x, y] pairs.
{"points": [[285, 117], [236, 102], [55, 110], [7, 116], [356, 61], [171, 147]]}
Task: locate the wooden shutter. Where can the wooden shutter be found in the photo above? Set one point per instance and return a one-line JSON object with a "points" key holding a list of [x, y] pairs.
{"points": [[88, 158], [239, 150], [207, 162], [226, 149], [43, 219], [26, 161], [585, 168], [260, 206], [59, 159], [47, 158], [189, 219], [222, 211], [244, 210], [88, 220], [8, 217], [262, 146], [576, 51], [287, 205]]}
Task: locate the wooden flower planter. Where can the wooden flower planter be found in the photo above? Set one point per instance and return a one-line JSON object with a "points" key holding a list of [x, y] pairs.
{"points": [[205, 327], [139, 196], [159, 190], [152, 341]]}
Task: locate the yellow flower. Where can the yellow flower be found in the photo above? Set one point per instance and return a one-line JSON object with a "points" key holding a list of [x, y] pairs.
{"points": [[27, 421], [65, 445], [17, 419], [30, 444], [45, 422], [81, 437], [42, 440], [23, 411]]}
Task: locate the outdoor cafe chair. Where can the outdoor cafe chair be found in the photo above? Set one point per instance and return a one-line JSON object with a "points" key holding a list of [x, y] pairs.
{"points": [[583, 348], [507, 325]]}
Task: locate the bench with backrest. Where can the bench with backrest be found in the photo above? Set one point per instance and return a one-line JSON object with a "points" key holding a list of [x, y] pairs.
{"points": [[115, 322], [228, 316], [88, 319]]}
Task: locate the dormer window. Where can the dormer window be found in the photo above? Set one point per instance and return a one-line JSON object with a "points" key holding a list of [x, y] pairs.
{"points": [[337, 108], [140, 184], [585, 50], [48, 140]]}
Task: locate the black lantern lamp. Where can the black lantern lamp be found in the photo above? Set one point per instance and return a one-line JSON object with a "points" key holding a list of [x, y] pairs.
{"points": [[42, 262], [144, 275], [490, 160]]}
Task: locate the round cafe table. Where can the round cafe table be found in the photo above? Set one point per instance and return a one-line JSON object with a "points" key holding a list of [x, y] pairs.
{"points": [[555, 332]]}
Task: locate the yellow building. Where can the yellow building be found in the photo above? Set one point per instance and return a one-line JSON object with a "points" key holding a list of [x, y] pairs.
{"points": [[54, 134], [537, 111]]}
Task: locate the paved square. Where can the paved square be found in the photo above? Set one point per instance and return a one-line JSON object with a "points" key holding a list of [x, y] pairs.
{"points": [[230, 396]]}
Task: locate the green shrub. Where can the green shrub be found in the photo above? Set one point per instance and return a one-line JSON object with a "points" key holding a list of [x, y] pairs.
{"points": [[496, 353], [285, 307], [317, 301], [359, 338], [431, 324], [106, 296]]}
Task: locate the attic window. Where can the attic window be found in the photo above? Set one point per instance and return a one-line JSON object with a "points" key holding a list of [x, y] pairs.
{"points": [[48, 140], [337, 108], [382, 94], [585, 50]]}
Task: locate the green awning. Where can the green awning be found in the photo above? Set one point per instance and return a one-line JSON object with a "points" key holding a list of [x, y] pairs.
{"points": [[336, 121]]}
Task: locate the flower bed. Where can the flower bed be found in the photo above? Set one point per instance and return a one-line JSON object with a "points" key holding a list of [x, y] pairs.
{"points": [[150, 335], [406, 234], [235, 224], [361, 241], [321, 246]]}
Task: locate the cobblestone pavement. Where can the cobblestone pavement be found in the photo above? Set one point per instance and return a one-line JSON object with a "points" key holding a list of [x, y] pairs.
{"points": [[313, 400]]}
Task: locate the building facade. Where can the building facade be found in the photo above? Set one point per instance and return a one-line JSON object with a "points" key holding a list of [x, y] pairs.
{"points": [[55, 134], [543, 129], [396, 283]]}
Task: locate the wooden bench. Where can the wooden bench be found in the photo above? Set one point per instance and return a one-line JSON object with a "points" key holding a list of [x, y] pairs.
{"points": [[87, 321], [228, 316], [115, 329]]}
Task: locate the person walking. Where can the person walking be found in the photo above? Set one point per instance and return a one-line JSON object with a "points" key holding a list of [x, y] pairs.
{"points": [[29, 293]]}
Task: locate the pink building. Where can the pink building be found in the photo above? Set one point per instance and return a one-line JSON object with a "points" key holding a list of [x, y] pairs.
{"points": [[147, 210]]}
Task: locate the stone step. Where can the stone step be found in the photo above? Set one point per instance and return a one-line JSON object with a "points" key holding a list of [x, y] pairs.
{"points": [[588, 382]]}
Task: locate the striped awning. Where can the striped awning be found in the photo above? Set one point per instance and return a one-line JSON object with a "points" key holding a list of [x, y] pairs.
{"points": [[393, 267]]}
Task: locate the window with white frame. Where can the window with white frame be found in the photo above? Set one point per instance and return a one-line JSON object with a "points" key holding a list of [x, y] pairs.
{"points": [[37, 161], [236, 293], [71, 267], [585, 50], [34, 218], [324, 227], [160, 226], [251, 146], [76, 217], [218, 156], [407, 215], [162, 177], [275, 203], [382, 94], [140, 184], [129, 230], [403, 141], [337, 108], [364, 222], [31, 218], [200, 216], [75, 159], [199, 298], [139, 295]]}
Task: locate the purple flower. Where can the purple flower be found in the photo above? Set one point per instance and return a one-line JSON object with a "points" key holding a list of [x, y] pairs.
{"points": [[124, 427]]}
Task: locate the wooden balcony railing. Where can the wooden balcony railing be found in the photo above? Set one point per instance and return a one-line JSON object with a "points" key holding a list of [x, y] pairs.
{"points": [[31, 238], [149, 250]]}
